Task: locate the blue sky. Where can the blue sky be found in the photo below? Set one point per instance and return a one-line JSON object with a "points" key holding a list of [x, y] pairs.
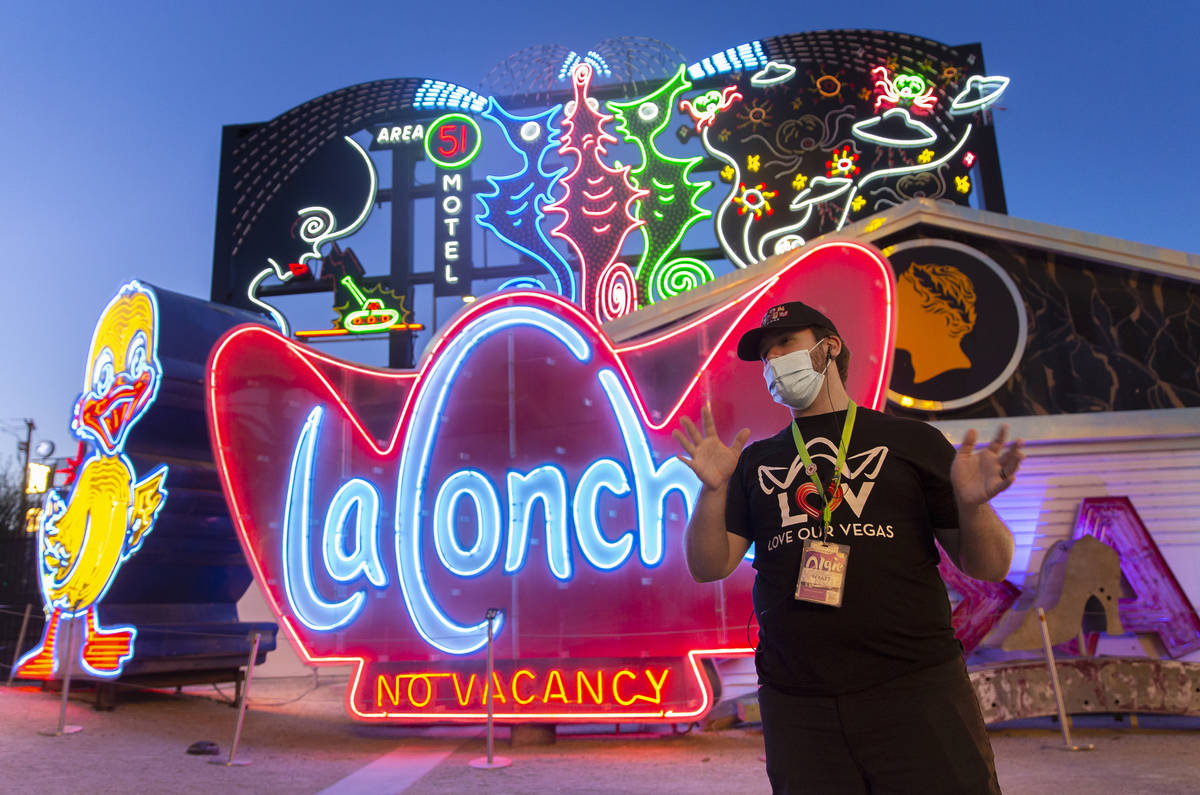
{"points": [[111, 123]]}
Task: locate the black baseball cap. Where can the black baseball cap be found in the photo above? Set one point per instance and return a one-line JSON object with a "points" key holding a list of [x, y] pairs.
{"points": [[792, 315]]}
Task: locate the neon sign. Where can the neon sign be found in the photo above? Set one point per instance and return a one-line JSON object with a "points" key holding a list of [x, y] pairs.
{"points": [[874, 110], [453, 141], [596, 207], [527, 463], [84, 540], [902, 90]]}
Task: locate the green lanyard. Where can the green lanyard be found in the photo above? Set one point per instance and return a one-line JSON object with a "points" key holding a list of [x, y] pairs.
{"points": [[811, 469]]}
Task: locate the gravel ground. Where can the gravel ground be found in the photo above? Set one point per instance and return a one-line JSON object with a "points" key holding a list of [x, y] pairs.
{"points": [[299, 740]]}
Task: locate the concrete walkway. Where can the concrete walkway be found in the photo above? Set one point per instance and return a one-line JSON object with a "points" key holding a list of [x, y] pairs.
{"points": [[299, 740]]}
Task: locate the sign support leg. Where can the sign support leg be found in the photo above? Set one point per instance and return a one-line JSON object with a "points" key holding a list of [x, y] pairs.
{"points": [[237, 732], [490, 762], [12, 669], [1062, 710], [63, 726]]}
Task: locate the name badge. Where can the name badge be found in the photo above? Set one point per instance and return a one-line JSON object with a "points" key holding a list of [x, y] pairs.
{"points": [[822, 573]]}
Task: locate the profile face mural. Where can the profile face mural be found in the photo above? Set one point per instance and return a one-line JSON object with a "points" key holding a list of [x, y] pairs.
{"points": [[962, 328], [83, 540], [526, 465]]}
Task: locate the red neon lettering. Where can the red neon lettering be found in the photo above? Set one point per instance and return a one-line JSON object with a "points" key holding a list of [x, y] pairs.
{"points": [[561, 695], [617, 692], [458, 694], [428, 680], [639, 696], [516, 697], [459, 144], [582, 682], [658, 686], [499, 689], [381, 685]]}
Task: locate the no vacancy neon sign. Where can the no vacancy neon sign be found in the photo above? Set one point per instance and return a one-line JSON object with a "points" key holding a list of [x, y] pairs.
{"points": [[527, 464]]}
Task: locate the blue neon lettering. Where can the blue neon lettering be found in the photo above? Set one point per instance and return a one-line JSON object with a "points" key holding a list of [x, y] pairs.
{"points": [[651, 485], [361, 497], [466, 562], [548, 484], [599, 551], [312, 611], [438, 629]]}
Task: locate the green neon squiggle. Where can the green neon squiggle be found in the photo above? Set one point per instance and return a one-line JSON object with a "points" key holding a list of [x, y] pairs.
{"points": [[679, 276], [671, 208]]}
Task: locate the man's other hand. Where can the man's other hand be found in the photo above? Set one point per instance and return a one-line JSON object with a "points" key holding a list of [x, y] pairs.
{"points": [[711, 459]]}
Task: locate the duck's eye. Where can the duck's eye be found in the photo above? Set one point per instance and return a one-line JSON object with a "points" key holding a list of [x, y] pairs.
{"points": [[135, 359], [103, 373], [648, 111]]}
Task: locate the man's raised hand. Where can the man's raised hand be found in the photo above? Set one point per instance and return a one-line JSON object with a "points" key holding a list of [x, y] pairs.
{"points": [[979, 475], [711, 459]]}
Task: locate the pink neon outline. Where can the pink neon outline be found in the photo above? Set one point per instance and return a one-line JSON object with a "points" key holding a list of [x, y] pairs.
{"points": [[582, 76], [550, 302], [751, 297]]}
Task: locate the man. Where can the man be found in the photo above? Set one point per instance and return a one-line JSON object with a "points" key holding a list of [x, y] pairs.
{"points": [[862, 686]]}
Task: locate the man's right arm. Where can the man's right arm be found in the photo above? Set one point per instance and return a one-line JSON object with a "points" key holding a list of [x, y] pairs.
{"points": [[711, 551]]}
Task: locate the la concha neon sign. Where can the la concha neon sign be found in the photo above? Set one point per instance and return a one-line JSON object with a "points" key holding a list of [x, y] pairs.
{"points": [[527, 464]]}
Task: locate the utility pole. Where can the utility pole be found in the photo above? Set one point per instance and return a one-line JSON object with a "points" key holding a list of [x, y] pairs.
{"points": [[25, 447]]}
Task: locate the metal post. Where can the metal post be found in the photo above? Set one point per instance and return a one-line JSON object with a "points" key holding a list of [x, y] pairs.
{"points": [[63, 727], [1062, 710], [490, 762], [12, 669], [237, 732], [25, 447]]}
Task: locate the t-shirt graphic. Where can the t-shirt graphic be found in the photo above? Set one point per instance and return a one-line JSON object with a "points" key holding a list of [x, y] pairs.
{"points": [[792, 488], [895, 489]]}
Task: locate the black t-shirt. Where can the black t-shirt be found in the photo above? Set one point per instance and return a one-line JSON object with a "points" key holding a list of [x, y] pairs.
{"points": [[895, 614]]}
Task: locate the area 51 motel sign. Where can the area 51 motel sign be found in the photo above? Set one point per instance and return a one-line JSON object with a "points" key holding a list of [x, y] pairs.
{"points": [[526, 465]]}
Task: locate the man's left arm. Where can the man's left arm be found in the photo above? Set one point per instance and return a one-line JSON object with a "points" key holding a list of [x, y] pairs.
{"points": [[982, 545]]}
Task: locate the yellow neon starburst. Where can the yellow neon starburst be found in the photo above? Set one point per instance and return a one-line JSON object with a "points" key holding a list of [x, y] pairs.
{"points": [[755, 200], [796, 103], [963, 184], [752, 162], [875, 224], [799, 182], [925, 156], [723, 135], [858, 203], [864, 94], [727, 174]]}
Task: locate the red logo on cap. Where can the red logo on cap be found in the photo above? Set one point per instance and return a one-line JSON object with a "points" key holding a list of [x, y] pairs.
{"points": [[773, 314]]}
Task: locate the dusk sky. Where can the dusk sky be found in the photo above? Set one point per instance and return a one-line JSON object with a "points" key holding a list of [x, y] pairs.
{"points": [[112, 114]]}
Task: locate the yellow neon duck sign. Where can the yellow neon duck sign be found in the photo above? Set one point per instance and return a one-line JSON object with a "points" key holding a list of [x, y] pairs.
{"points": [[83, 541]]}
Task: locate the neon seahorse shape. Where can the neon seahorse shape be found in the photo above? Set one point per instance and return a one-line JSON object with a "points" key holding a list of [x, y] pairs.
{"points": [[671, 207], [596, 205], [514, 210]]}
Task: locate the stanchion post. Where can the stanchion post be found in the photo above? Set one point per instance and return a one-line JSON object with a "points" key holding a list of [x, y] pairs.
{"points": [[63, 727], [1062, 710], [490, 762], [12, 669], [237, 732]]}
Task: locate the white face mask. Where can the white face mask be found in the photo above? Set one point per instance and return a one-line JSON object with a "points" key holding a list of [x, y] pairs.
{"points": [[792, 380]]}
